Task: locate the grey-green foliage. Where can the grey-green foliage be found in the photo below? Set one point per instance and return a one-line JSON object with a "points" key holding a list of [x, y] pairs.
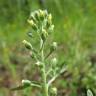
{"points": [[41, 23]]}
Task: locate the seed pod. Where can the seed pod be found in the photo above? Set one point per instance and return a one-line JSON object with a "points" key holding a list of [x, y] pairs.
{"points": [[27, 44]]}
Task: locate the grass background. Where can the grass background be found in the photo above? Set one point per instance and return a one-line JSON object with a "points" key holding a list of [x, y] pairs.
{"points": [[75, 32]]}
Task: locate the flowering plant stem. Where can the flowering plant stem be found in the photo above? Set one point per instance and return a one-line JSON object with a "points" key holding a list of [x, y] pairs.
{"points": [[41, 23]]}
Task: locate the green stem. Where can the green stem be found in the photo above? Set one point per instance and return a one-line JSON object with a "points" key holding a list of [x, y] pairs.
{"points": [[43, 73]]}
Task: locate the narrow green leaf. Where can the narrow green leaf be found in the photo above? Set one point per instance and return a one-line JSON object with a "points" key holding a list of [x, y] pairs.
{"points": [[20, 87]]}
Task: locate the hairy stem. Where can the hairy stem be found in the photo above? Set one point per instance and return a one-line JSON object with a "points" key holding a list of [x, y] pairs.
{"points": [[43, 73]]}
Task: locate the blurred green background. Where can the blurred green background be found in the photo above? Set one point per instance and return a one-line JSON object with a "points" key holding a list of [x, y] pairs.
{"points": [[75, 32]]}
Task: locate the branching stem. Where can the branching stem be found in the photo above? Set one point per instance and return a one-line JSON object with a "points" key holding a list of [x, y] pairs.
{"points": [[56, 76]]}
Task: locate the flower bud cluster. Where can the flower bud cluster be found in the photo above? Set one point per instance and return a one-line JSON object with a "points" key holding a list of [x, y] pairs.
{"points": [[41, 21]]}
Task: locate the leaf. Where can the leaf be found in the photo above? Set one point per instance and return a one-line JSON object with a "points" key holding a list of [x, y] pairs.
{"points": [[20, 87], [89, 92]]}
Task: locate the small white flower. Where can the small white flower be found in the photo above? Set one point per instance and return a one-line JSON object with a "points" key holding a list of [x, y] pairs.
{"points": [[38, 63]]}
